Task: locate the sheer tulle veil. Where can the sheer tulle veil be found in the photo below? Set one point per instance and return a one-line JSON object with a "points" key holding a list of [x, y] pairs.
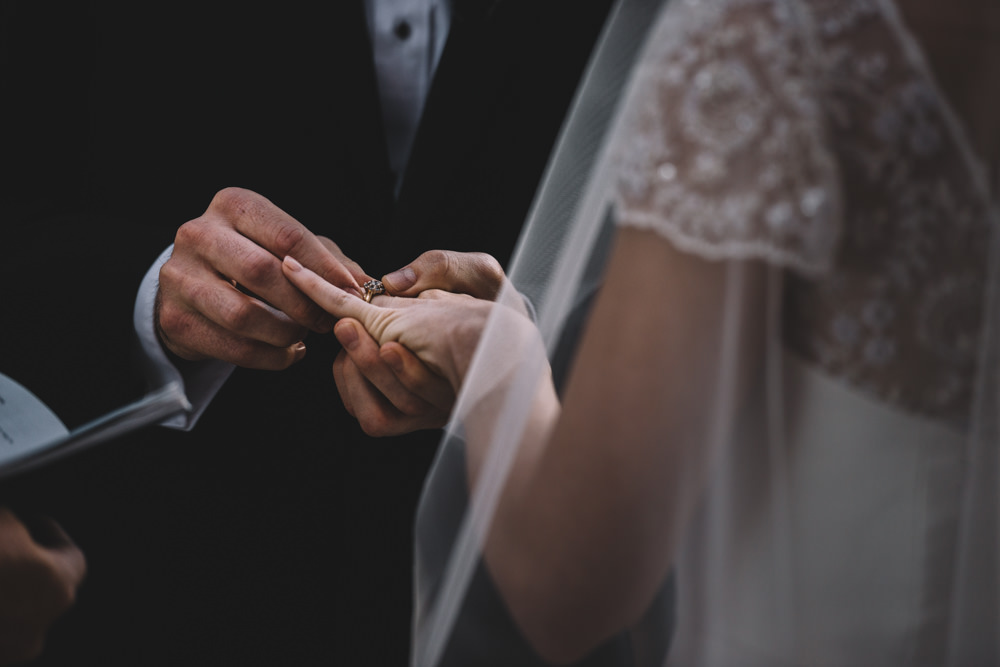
{"points": [[743, 552]]}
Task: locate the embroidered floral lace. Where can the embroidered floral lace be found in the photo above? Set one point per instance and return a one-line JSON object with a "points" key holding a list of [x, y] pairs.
{"points": [[812, 136]]}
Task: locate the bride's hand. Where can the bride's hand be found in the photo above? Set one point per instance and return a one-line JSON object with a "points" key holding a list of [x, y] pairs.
{"points": [[441, 328], [387, 389]]}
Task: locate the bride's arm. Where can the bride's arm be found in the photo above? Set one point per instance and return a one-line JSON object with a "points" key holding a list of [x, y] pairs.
{"points": [[588, 526]]}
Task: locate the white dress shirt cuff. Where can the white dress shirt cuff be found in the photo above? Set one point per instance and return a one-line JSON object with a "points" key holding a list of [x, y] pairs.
{"points": [[200, 381]]}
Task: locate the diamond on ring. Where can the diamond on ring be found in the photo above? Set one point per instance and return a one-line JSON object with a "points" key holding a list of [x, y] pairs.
{"points": [[373, 288]]}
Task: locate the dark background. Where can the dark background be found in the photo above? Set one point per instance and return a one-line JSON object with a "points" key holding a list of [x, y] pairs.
{"points": [[275, 532]]}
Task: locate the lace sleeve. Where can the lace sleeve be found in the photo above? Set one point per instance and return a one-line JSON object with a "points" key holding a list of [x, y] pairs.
{"points": [[722, 147]]}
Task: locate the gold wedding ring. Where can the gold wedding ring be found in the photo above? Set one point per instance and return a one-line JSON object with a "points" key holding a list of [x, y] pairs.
{"points": [[373, 288]]}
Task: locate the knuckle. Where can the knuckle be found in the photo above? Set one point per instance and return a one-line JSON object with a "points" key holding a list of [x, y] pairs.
{"points": [[175, 321], [436, 262], [304, 312], [348, 406], [366, 358], [488, 265], [375, 425], [411, 406], [181, 332], [433, 293], [418, 384], [369, 428], [195, 291], [259, 269], [488, 272], [239, 315], [234, 201], [192, 234], [289, 238], [171, 274], [241, 353], [374, 418]]}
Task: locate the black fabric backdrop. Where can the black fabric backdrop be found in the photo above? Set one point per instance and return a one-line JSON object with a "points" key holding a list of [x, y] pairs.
{"points": [[276, 532]]}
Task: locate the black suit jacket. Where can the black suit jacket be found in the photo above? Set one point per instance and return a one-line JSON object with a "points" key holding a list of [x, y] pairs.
{"points": [[275, 532]]}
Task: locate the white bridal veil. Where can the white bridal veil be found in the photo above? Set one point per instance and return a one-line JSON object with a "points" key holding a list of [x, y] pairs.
{"points": [[823, 526]]}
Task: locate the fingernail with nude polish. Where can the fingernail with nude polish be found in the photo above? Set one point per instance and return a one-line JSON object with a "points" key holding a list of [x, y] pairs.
{"points": [[292, 263], [299, 351], [400, 281], [347, 336]]}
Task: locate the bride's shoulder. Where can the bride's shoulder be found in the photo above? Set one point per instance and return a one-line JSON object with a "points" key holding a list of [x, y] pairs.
{"points": [[722, 145]]}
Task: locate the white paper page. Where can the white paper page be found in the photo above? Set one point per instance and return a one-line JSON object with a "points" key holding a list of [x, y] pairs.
{"points": [[31, 435], [25, 422]]}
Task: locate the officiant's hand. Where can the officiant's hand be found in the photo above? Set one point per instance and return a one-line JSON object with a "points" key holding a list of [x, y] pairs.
{"points": [[39, 577], [388, 389], [222, 294]]}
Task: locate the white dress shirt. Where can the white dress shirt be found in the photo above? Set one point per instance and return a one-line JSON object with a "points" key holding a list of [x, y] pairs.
{"points": [[407, 38]]}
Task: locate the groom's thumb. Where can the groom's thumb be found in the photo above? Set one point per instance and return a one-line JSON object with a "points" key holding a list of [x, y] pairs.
{"points": [[399, 282], [474, 273]]}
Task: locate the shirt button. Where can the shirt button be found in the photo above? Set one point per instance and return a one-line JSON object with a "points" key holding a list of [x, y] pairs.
{"points": [[402, 30]]}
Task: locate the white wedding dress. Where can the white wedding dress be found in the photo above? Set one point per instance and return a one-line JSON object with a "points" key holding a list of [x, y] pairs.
{"points": [[811, 135], [839, 527]]}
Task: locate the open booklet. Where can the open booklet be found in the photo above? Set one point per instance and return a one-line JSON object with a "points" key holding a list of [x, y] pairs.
{"points": [[32, 435]]}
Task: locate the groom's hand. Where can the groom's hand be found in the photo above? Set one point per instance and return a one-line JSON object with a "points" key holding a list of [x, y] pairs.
{"points": [[388, 390], [474, 273], [222, 294]]}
